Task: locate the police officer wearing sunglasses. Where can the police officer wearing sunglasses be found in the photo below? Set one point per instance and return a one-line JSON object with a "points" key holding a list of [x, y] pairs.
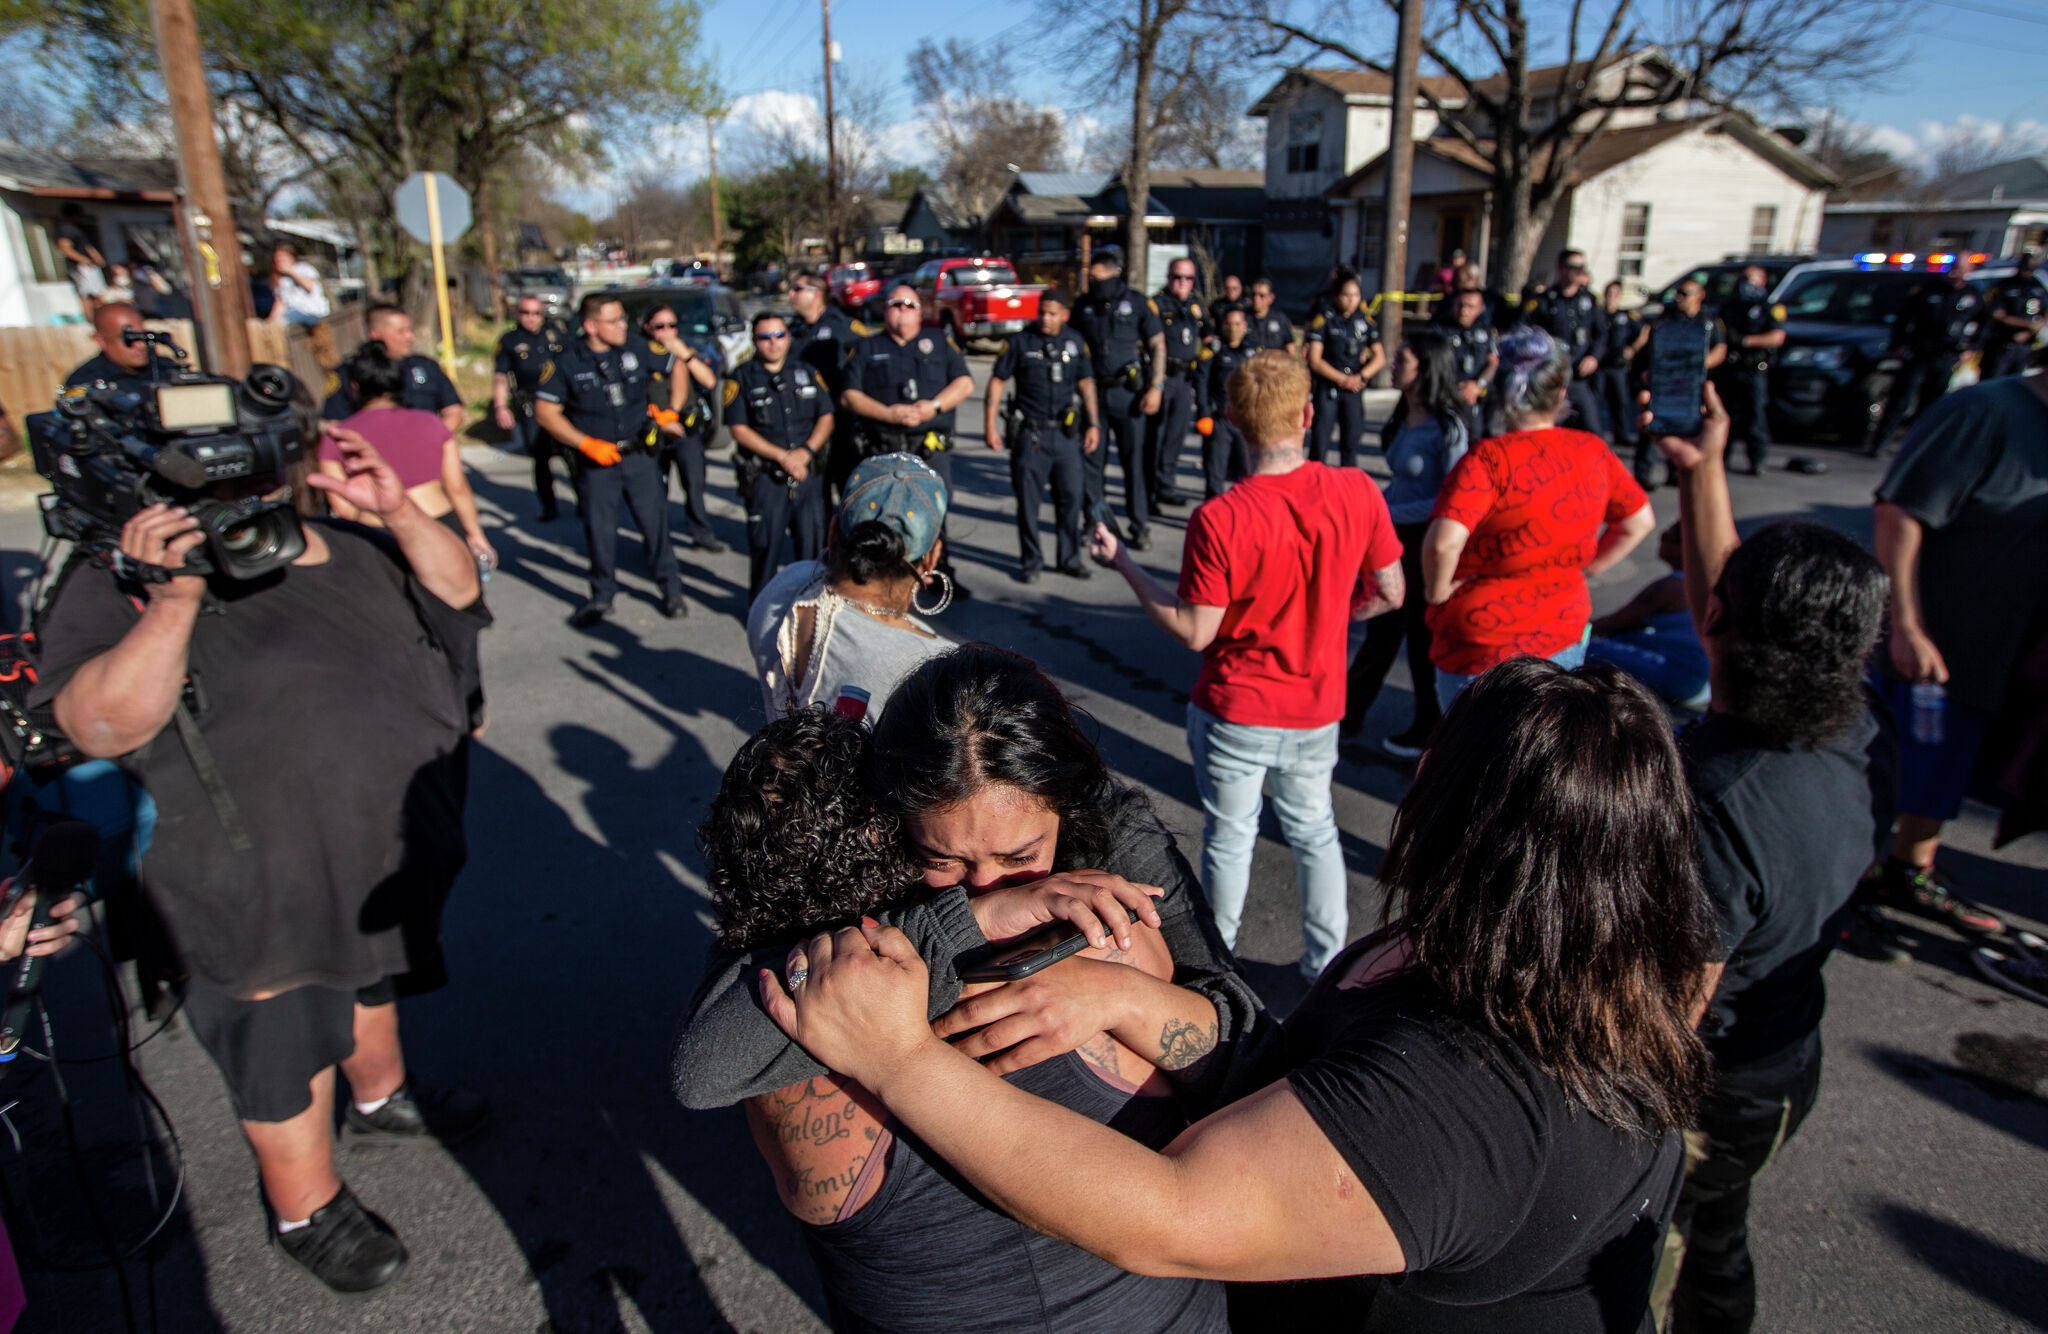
{"points": [[903, 387], [780, 414], [599, 400], [1051, 430]]}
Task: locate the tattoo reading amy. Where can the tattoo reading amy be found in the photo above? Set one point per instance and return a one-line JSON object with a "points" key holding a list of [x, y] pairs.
{"points": [[1181, 1043]]}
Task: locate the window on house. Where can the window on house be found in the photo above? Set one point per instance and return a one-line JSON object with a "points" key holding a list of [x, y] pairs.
{"points": [[45, 261], [1763, 229], [1370, 235], [1635, 239], [1304, 142]]}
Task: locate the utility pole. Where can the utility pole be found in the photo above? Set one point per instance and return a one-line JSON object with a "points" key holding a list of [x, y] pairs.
{"points": [[831, 148], [1400, 176], [222, 298], [717, 245]]}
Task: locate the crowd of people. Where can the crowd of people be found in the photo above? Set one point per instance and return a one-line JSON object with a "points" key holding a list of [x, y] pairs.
{"points": [[1534, 1094]]}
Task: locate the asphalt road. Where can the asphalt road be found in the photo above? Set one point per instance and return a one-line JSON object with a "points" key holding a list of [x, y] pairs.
{"points": [[1912, 1200]]}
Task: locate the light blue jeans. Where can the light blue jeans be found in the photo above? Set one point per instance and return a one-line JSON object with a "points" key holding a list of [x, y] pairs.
{"points": [[1234, 762], [1571, 656]]}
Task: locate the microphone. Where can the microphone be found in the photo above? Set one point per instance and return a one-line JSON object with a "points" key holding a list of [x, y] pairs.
{"points": [[62, 861], [177, 468]]}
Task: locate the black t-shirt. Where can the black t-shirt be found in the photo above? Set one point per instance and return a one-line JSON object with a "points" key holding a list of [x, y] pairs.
{"points": [[331, 698], [1784, 836], [1974, 472], [1514, 1209]]}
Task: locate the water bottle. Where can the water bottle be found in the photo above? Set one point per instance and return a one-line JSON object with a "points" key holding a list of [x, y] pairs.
{"points": [[1930, 705]]}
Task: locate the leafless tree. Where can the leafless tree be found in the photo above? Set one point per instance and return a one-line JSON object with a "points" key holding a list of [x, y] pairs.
{"points": [[1709, 54], [1971, 146], [984, 131]]}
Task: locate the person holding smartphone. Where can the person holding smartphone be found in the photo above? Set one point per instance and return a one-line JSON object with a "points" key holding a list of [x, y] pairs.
{"points": [[1483, 1098], [796, 842], [1687, 321]]}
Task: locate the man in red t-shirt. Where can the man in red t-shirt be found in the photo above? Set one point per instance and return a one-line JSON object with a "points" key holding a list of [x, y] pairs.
{"points": [[1273, 573]]}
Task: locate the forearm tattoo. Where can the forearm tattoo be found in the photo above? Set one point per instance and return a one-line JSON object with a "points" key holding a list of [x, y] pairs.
{"points": [[1181, 1043]]}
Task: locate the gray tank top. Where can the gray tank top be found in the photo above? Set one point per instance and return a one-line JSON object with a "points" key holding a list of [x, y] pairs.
{"points": [[929, 1255]]}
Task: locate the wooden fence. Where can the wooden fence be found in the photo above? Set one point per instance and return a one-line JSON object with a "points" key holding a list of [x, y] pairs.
{"points": [[34, 360]]}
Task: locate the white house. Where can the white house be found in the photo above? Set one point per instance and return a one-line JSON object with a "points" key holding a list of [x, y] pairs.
{"points": [[129, 203], [1662, 188]]}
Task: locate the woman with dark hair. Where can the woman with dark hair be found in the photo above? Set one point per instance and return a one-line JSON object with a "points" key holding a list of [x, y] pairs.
{"points": [[414, 442], [1521, 522], [795, 843], [840, 632], [1483, 1098], [1015, 823], [1429, 439]]}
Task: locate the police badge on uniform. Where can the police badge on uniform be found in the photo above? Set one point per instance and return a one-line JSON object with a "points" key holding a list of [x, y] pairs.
{"points": [[924, 345], [418, 376], [629, 361]]}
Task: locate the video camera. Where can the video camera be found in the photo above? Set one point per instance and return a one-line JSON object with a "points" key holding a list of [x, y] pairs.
{"points": [[113, 450]]}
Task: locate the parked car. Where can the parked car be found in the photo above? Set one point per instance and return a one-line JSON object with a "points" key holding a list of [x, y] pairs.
{"points": [[766, 281], [551, 285], [852, 286], [1832, 377], [707, 315], [975, 297], [1720, 279]]}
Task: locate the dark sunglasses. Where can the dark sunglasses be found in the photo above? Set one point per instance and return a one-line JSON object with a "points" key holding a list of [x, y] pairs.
{"points": [[771, 336], [904, 305], [670, 325]]}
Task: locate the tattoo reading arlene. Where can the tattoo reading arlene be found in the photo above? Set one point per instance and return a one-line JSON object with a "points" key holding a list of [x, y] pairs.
{"points": [[1181, 1043]]}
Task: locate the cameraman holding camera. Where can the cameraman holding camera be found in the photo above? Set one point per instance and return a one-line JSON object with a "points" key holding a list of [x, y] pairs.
{"points": [[303, 854]]}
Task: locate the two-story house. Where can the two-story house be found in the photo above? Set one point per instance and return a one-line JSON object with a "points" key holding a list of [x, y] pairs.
{"points": [[1661, 189]]}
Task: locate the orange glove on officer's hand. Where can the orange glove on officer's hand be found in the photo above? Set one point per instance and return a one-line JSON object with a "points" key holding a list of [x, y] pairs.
{"points": [[601, 452], [1206, 427]]}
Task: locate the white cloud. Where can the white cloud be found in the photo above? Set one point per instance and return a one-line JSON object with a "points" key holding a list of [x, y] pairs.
{"points": [[1922, 143]]}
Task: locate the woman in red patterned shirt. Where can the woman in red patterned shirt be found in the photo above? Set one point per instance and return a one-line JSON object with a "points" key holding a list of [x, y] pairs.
{"points": [[1522, 519]]}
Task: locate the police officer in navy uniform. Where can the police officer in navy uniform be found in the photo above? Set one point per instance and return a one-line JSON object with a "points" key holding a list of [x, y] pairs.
{"points": [[780, 414], [1496, 313], [1569, 312], [1224, 456], [597, 399], [1344, 353], [1755, 330], [1187, 331], [1687, 308], [1476, 348], [1611, 382], [525, 350], [427, 386], [823, 337], [904, 385], [1127, 345], [1234, 297], [119, 363], [2018, 311], [1269, 326], [686, 452], [1944, 318], [1051, 430]]}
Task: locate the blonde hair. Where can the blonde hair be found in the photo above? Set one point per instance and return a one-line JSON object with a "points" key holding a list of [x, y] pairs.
{"points": [[1267, 395]]}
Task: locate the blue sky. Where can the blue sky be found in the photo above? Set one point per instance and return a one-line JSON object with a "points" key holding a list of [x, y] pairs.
{"points": [[1977, 62]]}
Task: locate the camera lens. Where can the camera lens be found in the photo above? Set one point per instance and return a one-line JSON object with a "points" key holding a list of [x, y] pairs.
{"points": [[243, 538]]}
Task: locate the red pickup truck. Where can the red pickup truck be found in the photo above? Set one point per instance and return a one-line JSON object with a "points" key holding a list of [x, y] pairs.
{"points": [[852, 286], [975, 298]]}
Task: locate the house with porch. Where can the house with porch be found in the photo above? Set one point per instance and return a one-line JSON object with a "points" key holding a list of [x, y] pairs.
{"points": [[1047, 222], [1662, 188], [130, 204]]}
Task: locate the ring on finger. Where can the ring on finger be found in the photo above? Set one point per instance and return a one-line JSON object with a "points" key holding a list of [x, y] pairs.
{"points": [[797, 976]]}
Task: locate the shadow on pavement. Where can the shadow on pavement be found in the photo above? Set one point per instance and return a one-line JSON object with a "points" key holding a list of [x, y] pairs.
{"points": [[2012, 1280], [1994, 1079]]}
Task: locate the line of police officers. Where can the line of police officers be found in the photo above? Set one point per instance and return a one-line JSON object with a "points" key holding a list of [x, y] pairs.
{"points": [[822, 391]]}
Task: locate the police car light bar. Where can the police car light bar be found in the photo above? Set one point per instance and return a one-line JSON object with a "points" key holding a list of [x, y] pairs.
{"points": [[1873, 257], [1906, 257]]}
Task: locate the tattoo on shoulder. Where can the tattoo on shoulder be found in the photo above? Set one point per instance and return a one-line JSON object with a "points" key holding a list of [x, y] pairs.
{"points": [[1181, 1043]]}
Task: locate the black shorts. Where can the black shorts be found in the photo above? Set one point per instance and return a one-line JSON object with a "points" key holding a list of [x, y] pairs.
{"points": [[268, 1051]]}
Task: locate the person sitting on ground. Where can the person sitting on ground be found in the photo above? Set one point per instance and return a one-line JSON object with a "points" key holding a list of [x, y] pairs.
{"points": [[1652, 637], [796, 843], [1794, 777], [840, 632], [1016, 822], [1273, 572], [1480, 1102], [1428, 441], [1523, 521], [416, 443]]}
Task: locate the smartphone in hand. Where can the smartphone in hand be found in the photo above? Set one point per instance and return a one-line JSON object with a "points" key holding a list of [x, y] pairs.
{"points": [[1678, 377]]}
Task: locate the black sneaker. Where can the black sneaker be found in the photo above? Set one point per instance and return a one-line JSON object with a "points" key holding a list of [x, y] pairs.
{"points": [[1927, 893], [415, 1115], [1867, 934], [1139, 540], [1409, 745], [589, 614], [1077, 571], [345, 1246], [550, 514], [673, 606], [707, 544]]}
